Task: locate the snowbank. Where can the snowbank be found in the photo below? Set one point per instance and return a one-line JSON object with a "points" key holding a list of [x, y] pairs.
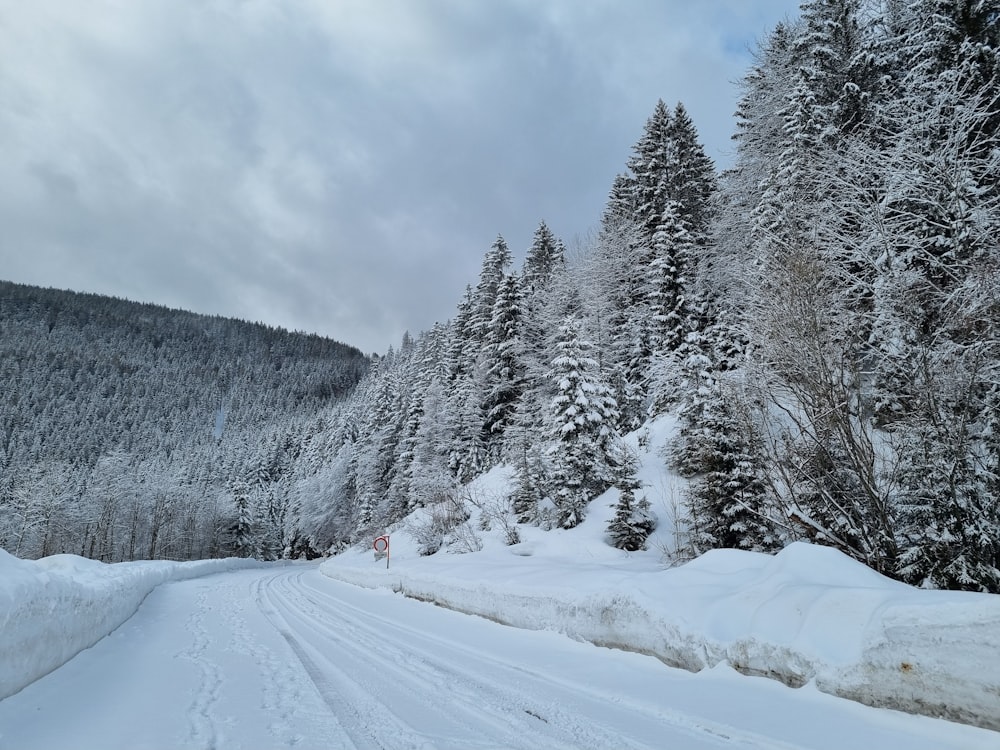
{"points": [[51, 609], [809, 614]]}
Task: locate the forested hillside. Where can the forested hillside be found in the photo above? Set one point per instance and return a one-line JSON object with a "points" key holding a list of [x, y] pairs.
{"points": [[124, 428], [825, 317]]}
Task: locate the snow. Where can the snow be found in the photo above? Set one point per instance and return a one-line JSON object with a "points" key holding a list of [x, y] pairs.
{"points": [[211, 654], [285, 657], [53, 608], [808, 615]]}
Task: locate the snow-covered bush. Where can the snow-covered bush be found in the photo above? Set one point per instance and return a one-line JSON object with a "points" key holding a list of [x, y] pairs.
{"points": [[431, 525]]}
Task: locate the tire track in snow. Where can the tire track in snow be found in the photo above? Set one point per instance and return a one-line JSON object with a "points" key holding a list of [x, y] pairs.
{"points": [[429, 646], [470, 707], [354, 682], [362, 717], [394, 686], [285, 695]]}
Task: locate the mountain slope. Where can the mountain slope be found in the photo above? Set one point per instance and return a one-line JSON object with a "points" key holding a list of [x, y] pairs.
{"points": [[108, 404]]}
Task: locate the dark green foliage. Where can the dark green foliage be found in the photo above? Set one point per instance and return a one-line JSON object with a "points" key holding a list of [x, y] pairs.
{"points": [[727, 499], [634, 520]]}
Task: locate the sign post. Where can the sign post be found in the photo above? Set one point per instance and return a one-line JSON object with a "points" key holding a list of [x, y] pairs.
{"points": [[381, 546]]}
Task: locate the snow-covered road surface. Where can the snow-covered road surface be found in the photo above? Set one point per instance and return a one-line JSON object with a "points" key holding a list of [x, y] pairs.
{"points": [[286, 657]]}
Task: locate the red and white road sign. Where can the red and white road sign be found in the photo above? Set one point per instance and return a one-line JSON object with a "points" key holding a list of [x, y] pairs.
{"points": [[381, 545]]}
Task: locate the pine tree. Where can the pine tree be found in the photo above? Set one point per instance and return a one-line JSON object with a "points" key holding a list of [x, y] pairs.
{"points": [[582, 418], [430, 459], [949, 511], [380, 425], [621, 203], [496, 262], [650, 167], [654, 233], [667, 281], [837, 67], [724, 294], [614, 277], [935, 322], [461, 348], [544, 257], [634, 520], [532, 485], [727, 503], [244, 542], [467, 454], [506, 373], [691, 177]]}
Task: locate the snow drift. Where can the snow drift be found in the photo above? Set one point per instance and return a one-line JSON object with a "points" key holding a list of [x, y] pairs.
{"points": [[53, 608]]}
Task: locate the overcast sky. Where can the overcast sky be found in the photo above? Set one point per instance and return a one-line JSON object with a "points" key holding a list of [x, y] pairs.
{"points": [[333, 166]]}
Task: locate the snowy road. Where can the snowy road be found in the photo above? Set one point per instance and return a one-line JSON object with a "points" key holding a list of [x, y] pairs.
{"points": [[285, 657]]}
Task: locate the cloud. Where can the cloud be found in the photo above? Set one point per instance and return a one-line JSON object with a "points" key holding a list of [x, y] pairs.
{"points": [[332, 166]]}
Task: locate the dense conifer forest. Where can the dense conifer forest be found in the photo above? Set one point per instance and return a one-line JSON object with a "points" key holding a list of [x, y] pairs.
{"points": [[124, 427], [824, 317]]}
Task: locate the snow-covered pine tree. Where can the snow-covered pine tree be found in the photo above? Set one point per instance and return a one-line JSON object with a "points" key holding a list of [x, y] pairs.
{"points": [[472, 355], [949, 510], [655, 228], [541, 289], [836, 66], [432, 480], [410, 379], [673, 249], [722, 273], [691, 177], [464, 422], [649, 168], [380, 413], [581, 420], [460, 349], [727, 499], [243, 527], [612, 281], [544, 257], [496, 263], [621, 203], [506, 373], [634, 519]]}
